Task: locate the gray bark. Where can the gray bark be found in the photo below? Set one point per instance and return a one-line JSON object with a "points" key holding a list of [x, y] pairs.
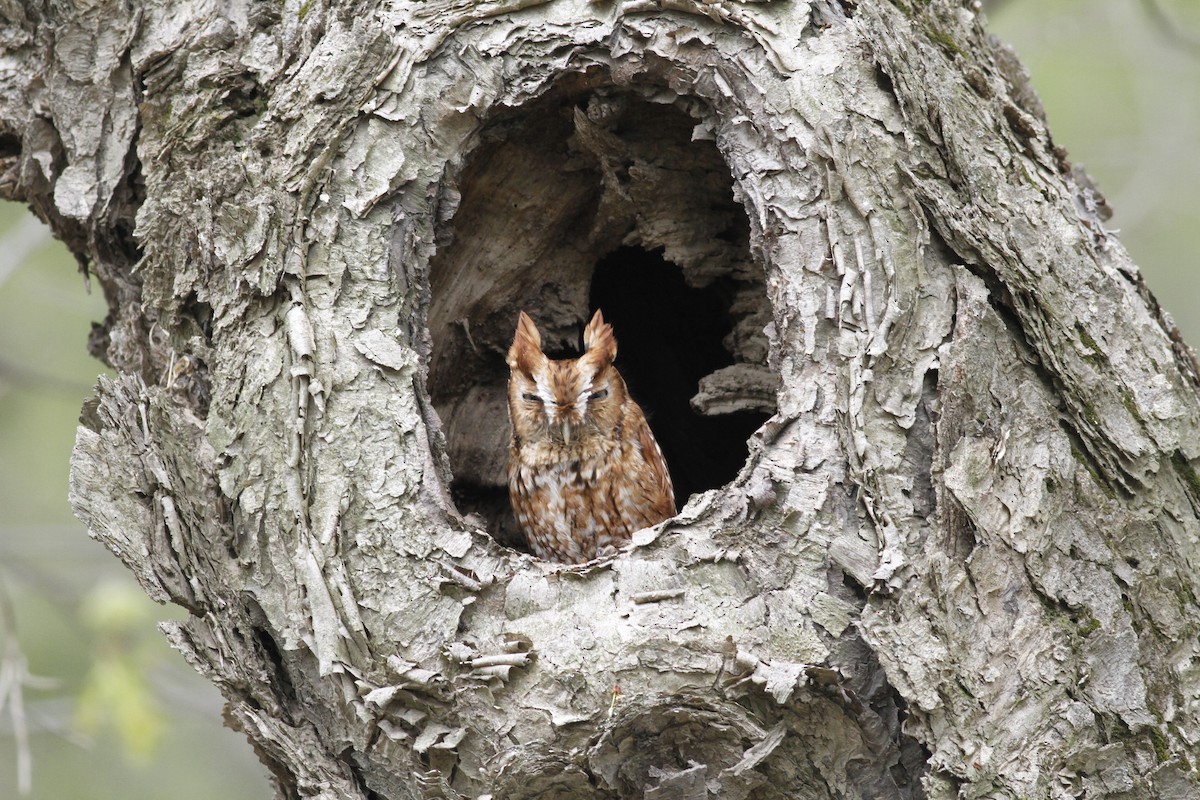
{"points": [[960, 559]]}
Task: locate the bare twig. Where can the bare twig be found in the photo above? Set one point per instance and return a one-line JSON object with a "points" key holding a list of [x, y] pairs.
{"points": [[992, 6], [1171, 31], [16, 373], [14, 672], [21, 241]]}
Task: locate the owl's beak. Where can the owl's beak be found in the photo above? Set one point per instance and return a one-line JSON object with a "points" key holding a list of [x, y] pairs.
{"points": [[566, 433]]}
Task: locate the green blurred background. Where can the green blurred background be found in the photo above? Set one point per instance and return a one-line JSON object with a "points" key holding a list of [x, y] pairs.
{"points": [[112, 712]]}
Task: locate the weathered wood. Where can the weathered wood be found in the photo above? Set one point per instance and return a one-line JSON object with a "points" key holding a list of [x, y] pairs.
{"points": [[960, 560]]}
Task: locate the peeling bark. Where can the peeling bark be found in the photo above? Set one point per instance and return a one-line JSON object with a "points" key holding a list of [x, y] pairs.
{"points": [[958, 560]]}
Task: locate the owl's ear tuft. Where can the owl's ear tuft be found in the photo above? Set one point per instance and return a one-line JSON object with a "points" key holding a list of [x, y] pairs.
{"points": [[526, 351], [598, 339]]}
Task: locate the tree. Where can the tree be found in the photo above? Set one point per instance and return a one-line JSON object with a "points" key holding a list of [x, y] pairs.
{"points": [[958, 560]]}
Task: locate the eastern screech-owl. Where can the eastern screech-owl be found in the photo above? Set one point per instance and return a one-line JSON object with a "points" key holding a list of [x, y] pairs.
{"points": [[584, 470]]}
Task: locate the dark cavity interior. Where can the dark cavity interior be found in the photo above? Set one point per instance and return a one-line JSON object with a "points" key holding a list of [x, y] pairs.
{"points": [[670, 336], [594, 197]]}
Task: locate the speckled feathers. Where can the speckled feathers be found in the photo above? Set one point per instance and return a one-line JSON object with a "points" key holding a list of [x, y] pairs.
{"points": [[584, 470]]}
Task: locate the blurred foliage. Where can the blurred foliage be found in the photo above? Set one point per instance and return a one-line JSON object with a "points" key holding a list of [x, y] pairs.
{"points": [[121, 716], [116, 690], [110, 710]]}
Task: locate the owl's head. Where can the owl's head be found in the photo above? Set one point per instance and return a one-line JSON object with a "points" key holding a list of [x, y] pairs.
{"points": [[569, 402]]}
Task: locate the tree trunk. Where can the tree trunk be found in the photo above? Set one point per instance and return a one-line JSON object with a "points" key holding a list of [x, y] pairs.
{"points": [[959, 559]]}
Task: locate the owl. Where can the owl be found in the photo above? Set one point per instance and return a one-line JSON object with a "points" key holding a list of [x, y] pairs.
{"points": [[584, 470]]}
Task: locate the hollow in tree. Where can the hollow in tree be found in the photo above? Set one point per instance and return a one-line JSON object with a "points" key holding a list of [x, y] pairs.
{"points": [[957, 560]]}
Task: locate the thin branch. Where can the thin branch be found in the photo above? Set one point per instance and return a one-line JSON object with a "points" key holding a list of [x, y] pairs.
{"points": [[21, 241], [16, 373], [1174, 34], [14, 673], [24, 562], [992, 6]]}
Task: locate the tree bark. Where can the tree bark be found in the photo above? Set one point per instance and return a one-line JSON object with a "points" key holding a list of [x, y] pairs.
{"points": [[959, 559]]}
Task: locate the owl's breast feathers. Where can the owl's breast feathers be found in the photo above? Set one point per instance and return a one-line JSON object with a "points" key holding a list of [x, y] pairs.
{"points": [[584, 469], [575, 502]]}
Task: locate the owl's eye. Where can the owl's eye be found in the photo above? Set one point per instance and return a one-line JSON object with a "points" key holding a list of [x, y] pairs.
{"points": [[600, 395], [533, 398]]}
